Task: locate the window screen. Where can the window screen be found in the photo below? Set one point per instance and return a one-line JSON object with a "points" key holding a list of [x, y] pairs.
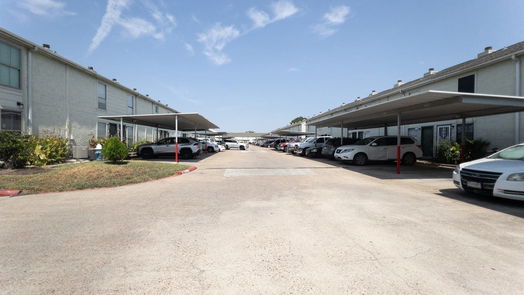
{"points": [[102, 96], [130, 104], [9, 66], [466, 84], [469, 132], [102, 130], [11, 120]]}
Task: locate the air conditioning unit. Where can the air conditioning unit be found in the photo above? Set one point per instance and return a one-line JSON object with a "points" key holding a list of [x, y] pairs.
{"points": [[79, 152]]}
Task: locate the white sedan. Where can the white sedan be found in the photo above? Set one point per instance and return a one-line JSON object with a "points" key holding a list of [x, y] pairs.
{"points": [[500, 175]]}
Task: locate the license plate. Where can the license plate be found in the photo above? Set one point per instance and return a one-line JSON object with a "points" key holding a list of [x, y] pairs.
{"points": [[473, 184]]}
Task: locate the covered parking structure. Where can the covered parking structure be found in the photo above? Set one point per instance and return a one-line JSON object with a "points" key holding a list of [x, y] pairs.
{"points": [[421, 107], [171, 121]]}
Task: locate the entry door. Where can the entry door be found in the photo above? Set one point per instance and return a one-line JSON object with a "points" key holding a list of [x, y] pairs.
{"points": [[427, 141]]}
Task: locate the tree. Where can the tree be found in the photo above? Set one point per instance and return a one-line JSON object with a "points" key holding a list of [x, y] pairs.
{"points": [[297, 120]]}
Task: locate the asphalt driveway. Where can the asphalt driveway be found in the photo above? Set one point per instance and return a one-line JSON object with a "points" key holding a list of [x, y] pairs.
{"points": [[262, 222]]}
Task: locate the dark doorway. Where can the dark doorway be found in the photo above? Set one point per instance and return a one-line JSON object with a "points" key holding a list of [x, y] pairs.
{"points": [[427, 141]]}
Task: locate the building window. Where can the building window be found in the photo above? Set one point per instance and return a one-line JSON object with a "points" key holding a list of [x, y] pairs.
{"points": [[102, 96], [467, 84], [131, 105], [469, 132], [101, 131], [9, 66], [130, 132], [10, 120], [114, 130], [156, 109]]}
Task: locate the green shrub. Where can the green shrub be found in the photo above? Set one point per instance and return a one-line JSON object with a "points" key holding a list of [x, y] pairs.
{"points": [[475, 149], [448, 152], [47, 150], [134, 147], [114, 150], [14, 149]]}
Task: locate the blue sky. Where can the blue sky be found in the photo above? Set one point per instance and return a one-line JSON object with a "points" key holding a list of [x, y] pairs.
{"points": [[256, 65]]}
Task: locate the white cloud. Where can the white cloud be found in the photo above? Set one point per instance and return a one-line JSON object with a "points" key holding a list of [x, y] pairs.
{"points": [[111, 17], [189, 48], [281, 10], [293, 69], [332, 20], [161, 23], [45, 7], [215, 40], [260, 18]]}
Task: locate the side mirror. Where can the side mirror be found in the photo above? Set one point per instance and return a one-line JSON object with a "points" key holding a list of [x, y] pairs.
{"points": [[374, 144]]}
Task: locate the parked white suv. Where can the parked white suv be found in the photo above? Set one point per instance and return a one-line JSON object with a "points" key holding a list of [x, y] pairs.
{"points": [[310, 142], [235, 144], [380, 148], [500, 175], [187, 148]]}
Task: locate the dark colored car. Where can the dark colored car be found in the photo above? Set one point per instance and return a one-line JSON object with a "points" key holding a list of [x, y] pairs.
{"points": [[328, 150]]}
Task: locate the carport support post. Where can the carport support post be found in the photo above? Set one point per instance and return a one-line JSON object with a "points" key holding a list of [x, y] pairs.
{"points": [[341, 132], [463, 141], [121, 129], [398, 143], [176, 139]]}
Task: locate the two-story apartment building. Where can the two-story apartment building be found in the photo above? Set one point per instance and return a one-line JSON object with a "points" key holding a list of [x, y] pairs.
{"points": [[42, 92], [496, 72]]}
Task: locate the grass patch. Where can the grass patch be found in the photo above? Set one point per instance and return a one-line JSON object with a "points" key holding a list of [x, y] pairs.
{"points": [[87, 175]]}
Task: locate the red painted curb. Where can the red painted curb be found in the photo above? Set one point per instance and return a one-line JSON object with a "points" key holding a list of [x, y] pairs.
{"points": [[8, 192], [187, 170]]}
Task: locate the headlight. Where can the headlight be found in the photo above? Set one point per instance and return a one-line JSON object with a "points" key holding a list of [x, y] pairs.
{"points": [[457, 169], [516, 177]]}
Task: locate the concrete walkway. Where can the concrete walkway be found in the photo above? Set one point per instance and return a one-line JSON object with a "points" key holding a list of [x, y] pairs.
{"points": [[262, 222]]}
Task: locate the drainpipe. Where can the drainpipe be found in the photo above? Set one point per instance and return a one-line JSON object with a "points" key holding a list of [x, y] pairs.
{"points": [[29, 124], [517, 93]]}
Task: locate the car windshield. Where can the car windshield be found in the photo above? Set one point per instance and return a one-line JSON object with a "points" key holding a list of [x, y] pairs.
{"points": [[365, 141], [512, 153], [309, 139]]}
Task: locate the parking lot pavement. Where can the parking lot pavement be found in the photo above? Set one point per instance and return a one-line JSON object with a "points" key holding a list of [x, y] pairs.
{"points": [[267, 223]]}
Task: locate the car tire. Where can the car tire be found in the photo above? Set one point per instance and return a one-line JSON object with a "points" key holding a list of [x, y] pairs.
{"points": [[360, 159], [210, 149], [409, 159], [242, 148], [227, 147], [147, 153]]}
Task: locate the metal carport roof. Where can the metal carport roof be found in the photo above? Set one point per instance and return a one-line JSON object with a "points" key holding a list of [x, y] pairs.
{"points": [[422, 107], [174, 121], [186, 121], [427, 106], [292, 133]]}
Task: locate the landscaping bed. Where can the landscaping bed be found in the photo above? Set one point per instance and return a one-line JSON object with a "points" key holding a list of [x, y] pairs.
{"points": [[85, 175]]}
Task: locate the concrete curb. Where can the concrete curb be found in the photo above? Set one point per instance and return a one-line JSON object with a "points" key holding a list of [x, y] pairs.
{"points": [[190, 169], [9, 192]]}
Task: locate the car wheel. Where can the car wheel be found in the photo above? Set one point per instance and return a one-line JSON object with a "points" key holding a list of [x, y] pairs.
{"points": [[242, 147], [409, 159], [227, 147], [210, 149], [360, 159], [147, 153]]}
